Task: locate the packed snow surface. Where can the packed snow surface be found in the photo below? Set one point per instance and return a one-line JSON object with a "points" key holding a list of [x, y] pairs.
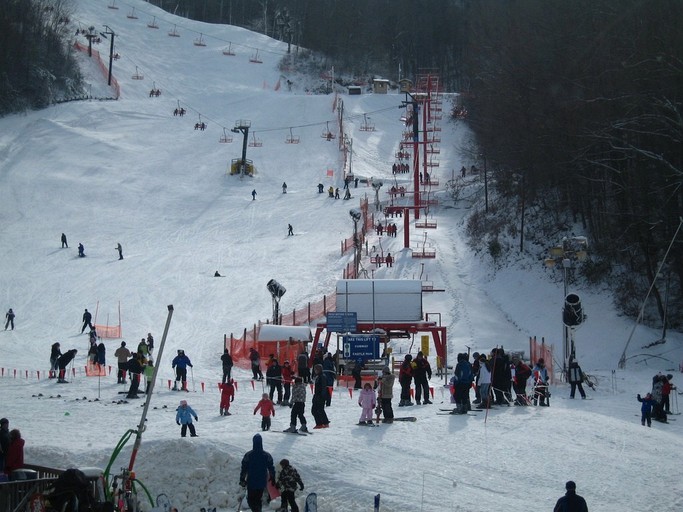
{"points": [[129, 172]]}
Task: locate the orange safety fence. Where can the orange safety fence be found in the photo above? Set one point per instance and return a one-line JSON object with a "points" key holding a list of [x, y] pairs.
{"points": [[96, 370], [108, 331], [103, 68]]}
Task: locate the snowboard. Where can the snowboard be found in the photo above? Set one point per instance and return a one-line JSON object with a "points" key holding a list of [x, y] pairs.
{"points": [[453, 413], [405, 418], [273, 491], [311, 503]]}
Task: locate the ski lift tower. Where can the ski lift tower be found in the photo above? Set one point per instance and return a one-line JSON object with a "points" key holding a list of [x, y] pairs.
{"points": [[276, 291], [242, 126]]}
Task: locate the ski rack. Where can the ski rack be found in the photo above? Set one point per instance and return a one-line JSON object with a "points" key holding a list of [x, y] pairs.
{"points": [[153, 23], [200, 41], [131, 15], [137, 75], [366, 126], [292, 139], [255, 143], [228, 51], [225, 138], [174, 32], [254, 58]]}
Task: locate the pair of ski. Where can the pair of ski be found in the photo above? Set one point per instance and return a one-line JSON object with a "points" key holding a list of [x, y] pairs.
{"points": [[311, 502], [454, 412], [287, 431]]}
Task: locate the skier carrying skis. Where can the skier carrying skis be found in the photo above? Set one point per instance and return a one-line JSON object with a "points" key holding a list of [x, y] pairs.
{"points": [[180, 363], [183, 417], [257, 469], [267, 408], [287, 481], [367, 400], [227, 396]]}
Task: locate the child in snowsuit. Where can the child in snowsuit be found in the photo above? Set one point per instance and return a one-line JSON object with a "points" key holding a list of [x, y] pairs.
{"points": [[227, 396], [287, 482], [183, 416], [298, 406], [267, 410], [646, 409], [367, 400]]}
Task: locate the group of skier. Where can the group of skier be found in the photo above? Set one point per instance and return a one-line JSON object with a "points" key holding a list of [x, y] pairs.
{"points": [[656, 404]]}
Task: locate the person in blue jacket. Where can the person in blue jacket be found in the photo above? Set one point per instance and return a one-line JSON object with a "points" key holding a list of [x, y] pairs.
{"points": [[180, 364], [183, 416], [257, 469], [646, 409]]}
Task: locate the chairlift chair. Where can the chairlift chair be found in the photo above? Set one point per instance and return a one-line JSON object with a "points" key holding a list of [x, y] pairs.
{"points": [[327, 134], [113, 5], [137, 75], [225, 138], [366, 126], [174, 32], [292, 139], [228, 51], [254, 58], [131, 15], [153, 23], [255, 143], [200, 41]]}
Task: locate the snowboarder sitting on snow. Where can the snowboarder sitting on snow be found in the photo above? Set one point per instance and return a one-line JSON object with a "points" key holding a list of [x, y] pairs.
{"points": [[367, 400], [267, 410], [183, 416], [180, 363], [227, 396], [646, 409], [287, 481]]}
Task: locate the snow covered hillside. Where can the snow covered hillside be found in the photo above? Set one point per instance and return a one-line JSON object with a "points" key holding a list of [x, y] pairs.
{"points": [[130, 172]]}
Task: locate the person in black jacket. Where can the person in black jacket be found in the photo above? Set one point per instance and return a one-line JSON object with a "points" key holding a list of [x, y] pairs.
{"points": [[274, 380], [87, 321], [10, 319], [571, 502], [226, 359], [64, 361], [54, 355], [319, 398], [134, 371], [257, 469], [421, 374]]}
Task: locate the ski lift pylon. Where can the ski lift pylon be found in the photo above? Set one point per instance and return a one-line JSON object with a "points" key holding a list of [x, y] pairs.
{"points": [[292, 139]]}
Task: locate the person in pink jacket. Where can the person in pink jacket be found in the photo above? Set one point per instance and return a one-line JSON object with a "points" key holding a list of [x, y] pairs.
{"points": [[367, 400]]}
